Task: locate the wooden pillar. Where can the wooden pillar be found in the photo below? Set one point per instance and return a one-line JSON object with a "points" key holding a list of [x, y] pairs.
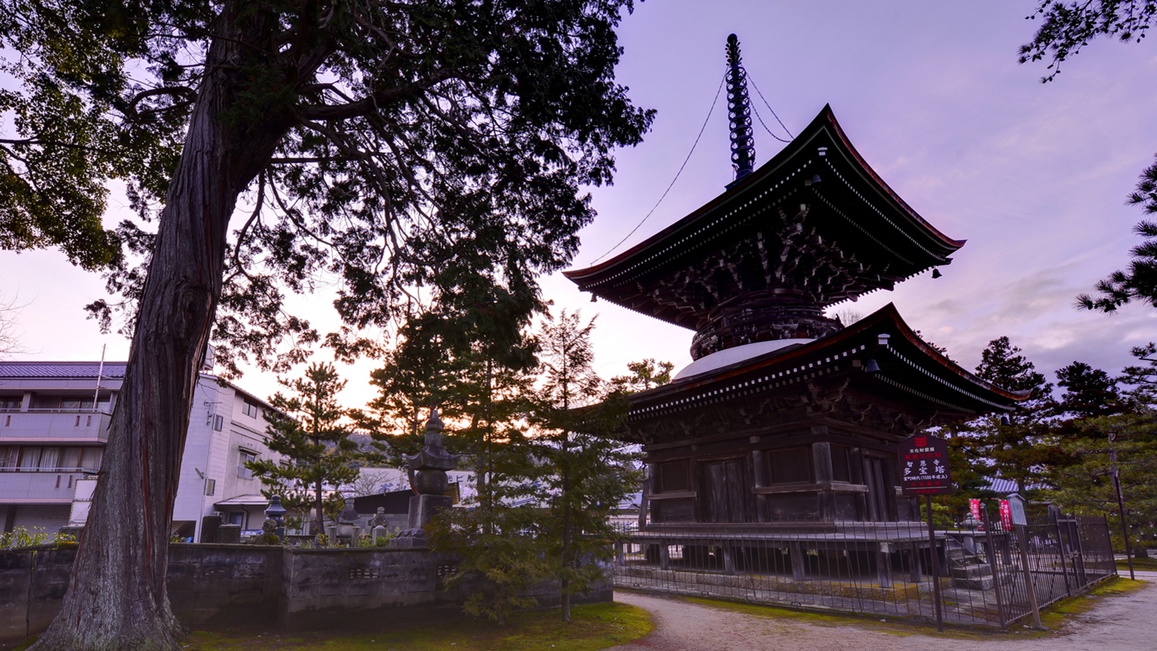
{"points": [[728, 558], [822, 472], [856, 470], [798, 568], [664, 555], [883, 565], [916, 571], [821, 459], [759, 479]]}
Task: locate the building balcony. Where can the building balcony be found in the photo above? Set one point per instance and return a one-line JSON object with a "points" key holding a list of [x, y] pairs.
{"points": [[54, 426], [41, 486]]}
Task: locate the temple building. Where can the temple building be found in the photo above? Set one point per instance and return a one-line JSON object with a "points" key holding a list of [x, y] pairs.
{"points": [[786, 418]]}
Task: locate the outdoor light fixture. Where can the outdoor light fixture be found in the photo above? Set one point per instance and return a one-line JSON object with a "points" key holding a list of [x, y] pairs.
{"points": [[1004, 420], [871, 366], [936, 273]]}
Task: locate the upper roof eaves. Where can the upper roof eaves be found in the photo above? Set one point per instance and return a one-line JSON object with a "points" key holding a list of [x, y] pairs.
{"points": [[694, 230]]}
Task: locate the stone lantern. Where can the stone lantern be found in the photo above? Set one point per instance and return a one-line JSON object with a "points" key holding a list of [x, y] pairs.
{"points": [[347, 523], [428, 479], [276, 512]]}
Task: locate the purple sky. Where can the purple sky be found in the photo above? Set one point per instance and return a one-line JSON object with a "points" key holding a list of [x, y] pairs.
{"points": [[1033, 176]]}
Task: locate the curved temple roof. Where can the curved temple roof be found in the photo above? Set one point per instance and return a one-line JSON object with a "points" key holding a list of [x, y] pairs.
{"points": [[879, 353], [815, 220]]}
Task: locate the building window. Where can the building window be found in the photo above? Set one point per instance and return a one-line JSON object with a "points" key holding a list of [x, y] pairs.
{"points": [[242, 470], [210, 486], [50, 459], [90, 459], [249, 409], [218, 423], [29, 458]]}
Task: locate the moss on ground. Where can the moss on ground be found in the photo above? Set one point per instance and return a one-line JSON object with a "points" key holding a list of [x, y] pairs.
{"points": [[594, 626]]}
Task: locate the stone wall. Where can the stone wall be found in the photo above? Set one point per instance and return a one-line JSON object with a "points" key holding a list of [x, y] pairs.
{"points": [[285, 587], [32, 585]]}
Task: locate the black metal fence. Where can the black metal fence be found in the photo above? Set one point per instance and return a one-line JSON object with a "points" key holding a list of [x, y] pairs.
{"points": [[877, 568]]}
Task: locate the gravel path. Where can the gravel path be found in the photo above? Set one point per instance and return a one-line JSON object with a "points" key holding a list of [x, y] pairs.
{"points": [[1118, 623]]}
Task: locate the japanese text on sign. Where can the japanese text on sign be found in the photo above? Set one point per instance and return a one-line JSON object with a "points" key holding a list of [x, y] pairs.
{"points": [[924, 465]]}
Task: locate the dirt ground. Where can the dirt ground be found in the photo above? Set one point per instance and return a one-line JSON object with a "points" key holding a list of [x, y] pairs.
{"points": [[1118, 623]]}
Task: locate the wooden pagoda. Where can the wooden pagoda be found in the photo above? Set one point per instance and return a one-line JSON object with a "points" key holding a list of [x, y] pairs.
{"points": [[786, 417]]}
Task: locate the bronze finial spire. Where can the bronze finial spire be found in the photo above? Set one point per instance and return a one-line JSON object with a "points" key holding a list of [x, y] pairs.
{"points": [[738, 112]]}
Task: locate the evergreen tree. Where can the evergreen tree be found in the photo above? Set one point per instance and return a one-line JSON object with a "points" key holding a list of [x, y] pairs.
{"points": [[971, 469], [497, 537], [1105, 434], [469, 354], [1018, 445], [1142, 377], [644, 375], [1098, 446], [378, 142], [1089, 392], [589, 471], [310, 430]]}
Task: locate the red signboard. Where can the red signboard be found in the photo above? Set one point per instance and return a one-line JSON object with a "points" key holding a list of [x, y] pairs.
{"points": [[1005, 515], [924, 465], [974, 506]]}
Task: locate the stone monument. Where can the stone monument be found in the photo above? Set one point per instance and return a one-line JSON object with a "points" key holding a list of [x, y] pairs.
{"points": [[428, 479]]}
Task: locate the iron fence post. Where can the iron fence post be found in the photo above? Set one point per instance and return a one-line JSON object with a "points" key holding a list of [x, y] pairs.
{"points": [[991, 553], [1062, 549]]}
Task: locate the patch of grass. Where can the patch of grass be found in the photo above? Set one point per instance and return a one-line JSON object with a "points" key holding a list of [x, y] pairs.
{"points": [[1052, 618], [594, 626], [1148, 564]]}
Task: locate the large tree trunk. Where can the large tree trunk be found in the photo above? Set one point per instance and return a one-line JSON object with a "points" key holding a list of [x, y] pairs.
{"points": [[116, 597]]}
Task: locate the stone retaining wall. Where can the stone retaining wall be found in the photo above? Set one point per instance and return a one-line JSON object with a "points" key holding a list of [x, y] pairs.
{"points": [[286, 587]]}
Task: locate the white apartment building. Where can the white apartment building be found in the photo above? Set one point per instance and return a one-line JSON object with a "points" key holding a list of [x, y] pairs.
{"points": [[54, 419]]}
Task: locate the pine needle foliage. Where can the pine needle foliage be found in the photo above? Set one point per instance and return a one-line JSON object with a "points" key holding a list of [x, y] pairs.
{"points": [[310, 430]]}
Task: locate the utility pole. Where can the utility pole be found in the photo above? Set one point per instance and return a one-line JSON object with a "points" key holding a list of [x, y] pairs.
{"points": [[1120, 501]]}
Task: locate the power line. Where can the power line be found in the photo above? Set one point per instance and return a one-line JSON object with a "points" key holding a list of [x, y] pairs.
{"points": [[672, 184]]}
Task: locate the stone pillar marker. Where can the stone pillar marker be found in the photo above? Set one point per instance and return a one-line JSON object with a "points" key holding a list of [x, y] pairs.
{"points": [[428, 479], [377, 525]]}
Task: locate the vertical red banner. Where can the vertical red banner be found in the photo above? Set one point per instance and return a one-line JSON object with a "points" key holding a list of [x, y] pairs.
{"points": [[974, 505], [1005, 515]]}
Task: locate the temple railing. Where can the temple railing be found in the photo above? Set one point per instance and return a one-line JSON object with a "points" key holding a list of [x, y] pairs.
{"points": [[874, 568]]}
